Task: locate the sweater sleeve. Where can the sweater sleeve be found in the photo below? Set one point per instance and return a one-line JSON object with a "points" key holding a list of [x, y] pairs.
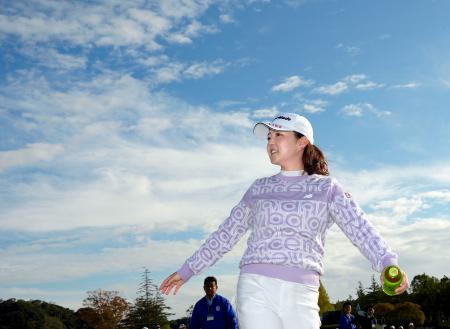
{"points": [[221, 241], [352, 220]]}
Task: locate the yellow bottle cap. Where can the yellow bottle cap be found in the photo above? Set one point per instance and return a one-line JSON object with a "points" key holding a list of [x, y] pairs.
{"points": [[393, 272]]}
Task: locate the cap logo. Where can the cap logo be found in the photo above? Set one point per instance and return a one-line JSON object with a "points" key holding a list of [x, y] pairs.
{"points": [[276, 125], [282, 117]]}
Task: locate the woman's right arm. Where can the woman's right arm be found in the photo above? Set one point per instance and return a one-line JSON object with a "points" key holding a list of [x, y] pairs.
{"points": [[216, 245]]}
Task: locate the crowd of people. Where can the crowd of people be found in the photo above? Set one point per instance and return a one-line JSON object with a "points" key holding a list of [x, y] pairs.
{"points": [[367, 321]]}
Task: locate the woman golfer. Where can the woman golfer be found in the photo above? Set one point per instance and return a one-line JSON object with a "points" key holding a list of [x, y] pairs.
{"points": [[288, 216]]}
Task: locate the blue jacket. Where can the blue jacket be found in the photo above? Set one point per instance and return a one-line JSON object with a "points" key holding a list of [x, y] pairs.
{"points": [[346, 321], [220, 315]]}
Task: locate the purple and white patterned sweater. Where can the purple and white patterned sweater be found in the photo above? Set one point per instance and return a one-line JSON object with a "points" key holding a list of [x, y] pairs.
{"points": [[289, 217]]}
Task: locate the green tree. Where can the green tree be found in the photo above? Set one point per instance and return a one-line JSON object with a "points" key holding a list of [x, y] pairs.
{"points": [[408, 311], [86, 318], [57, 315], [324, 300], [35, 314], [51, 322], [444, 301], [149, 307], [21, 314], [426, 292], [382, 311]]}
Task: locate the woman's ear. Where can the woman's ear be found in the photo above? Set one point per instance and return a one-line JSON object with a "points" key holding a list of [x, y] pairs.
{"points": [[302, 142]]}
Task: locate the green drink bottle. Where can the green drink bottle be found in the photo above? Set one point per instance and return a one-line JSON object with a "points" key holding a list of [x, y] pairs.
{"points": [[392, 279]]}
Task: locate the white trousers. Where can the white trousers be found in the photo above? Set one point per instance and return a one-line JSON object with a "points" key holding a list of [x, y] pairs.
{"points": [[264, 302]]}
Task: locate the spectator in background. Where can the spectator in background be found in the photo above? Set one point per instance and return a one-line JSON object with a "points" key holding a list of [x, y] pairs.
{"points": [[369, 321], [347, 318], [213, 311]]}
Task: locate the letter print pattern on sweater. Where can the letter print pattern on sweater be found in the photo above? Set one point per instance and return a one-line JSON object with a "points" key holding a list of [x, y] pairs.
{"points": [[288, 218]]}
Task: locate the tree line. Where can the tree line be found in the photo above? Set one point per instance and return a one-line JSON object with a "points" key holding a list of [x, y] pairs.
{"points": [[426, 303], [102, 309]]}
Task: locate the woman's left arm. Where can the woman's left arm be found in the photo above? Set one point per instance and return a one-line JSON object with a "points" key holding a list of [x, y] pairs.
{"points": [[352, 220]]}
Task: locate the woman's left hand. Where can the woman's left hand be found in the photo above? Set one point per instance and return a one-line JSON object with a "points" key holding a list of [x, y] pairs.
{"points": [[403, 287], [405, 284]]}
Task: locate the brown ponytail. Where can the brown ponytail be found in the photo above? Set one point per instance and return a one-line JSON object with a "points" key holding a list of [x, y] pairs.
{"points": [[314, 161]]}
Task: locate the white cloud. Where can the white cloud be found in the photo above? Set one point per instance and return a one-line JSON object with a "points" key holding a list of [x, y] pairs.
{"points": [[409, 85], [152, 61], [151, 126], [360, 109], [384, 36], [123, 155], [334, 89], [311, 108], [352, 110], [229, 103], [170, 72], [194, 29], [29, 155], [133, 25], [179, 8], [314, 106], [446, 83], [270, 112], [296, 3], [116, 196], [199, 70], [57, 114], [357, 81], [47, 268], [440, 196], [355, 78], [178, 71], [369, 85], [401, 207], [227, 18], [405, 206], [291, 83], [349, 49], [54, 59]]}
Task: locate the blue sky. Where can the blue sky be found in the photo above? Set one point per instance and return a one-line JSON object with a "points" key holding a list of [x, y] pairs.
{"points": [[125, 133]]}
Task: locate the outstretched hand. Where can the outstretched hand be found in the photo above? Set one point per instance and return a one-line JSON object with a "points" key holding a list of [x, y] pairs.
{"points": [[405, 284], [172, 281], [402, 288]]}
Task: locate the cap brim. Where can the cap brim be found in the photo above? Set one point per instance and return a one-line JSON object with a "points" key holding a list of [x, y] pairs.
{"points": [[261, 129]]}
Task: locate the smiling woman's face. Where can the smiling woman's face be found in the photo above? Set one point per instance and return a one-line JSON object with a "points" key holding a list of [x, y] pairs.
{"points": [[285, 149]]}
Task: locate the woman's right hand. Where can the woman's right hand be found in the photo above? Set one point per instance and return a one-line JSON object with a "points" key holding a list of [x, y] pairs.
{"points": [[172, 281]]}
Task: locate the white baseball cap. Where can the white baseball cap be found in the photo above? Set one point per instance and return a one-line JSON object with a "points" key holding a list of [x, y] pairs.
{"points": [[286, 122]]}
